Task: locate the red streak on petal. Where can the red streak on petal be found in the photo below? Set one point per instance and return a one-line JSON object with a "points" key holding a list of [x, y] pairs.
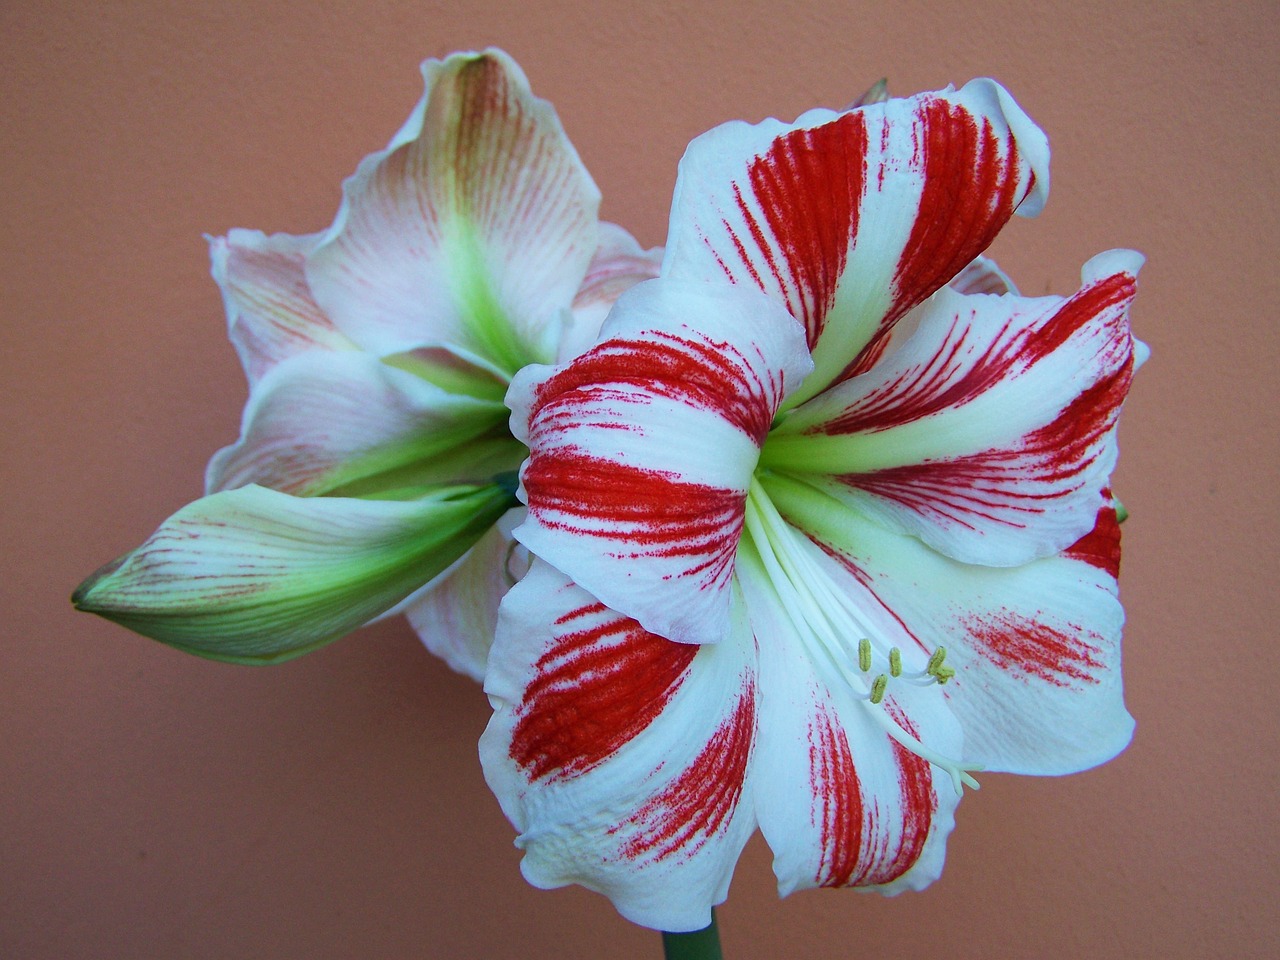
{"points": [[857, 849], [702, 374], [1069, 444], [808, 187], [1006, 486], [919, 803], [837, 798], [971, 188], [655, 514], [699, 802], [1100, 547], [1018, 644], [942, 382], [602, 681], [966, 491]]}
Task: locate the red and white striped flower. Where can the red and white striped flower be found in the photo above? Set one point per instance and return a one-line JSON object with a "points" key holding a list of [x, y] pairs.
{"points": [[378, 354], [822, 522]]}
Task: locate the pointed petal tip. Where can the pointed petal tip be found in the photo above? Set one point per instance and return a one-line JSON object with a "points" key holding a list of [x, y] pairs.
{"points": [[878, 92], [256, 576], [1031, 140], [82, 597]]}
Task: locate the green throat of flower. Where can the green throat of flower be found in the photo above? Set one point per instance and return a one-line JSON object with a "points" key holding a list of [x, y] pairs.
{"points": [[837, 636]]}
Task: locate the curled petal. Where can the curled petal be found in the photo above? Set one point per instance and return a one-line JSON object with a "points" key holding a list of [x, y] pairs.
{"points": [[851, 219], [990, 434], [622, 758], [1036, 648], [473, 229], [271, 314], [257, 576], [641, 449], [322, 421], [982, 276]]}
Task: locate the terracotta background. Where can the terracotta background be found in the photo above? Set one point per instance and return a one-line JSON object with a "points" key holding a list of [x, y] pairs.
{"points": [[158, 806]]}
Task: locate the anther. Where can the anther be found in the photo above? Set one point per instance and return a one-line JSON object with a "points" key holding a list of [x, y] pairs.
{"points": [[895, 662], [877, 688], [864, 654], [935, 661]]}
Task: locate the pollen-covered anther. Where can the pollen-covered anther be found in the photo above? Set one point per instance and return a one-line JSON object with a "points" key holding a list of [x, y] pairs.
{"points": [[877, 688], [864, 655], [938, 668]]}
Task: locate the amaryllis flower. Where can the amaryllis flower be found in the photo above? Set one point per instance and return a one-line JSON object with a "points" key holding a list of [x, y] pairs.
{"points": [[375, 438], [816, 534]]}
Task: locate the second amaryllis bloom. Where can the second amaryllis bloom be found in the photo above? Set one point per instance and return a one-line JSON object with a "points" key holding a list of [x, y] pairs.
{"points": [[369, 473], [822, 522]]}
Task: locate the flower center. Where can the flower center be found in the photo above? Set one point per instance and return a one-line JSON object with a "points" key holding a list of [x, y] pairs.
{"points": [[826, 619]]}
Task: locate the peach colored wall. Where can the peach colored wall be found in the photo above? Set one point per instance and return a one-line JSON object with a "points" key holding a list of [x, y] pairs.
{"points": [[158, 806]]}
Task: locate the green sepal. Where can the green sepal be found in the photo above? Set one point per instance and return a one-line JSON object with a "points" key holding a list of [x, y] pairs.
{"points": [[256, 576]]}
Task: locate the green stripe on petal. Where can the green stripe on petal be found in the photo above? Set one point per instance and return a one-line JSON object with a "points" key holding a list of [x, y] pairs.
{"points": [[256, 576], [322, 422], [472, 231]]}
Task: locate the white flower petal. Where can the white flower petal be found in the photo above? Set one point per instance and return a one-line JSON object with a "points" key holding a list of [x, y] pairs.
{"points": [[456, 615], [618, 265], [473, 229], [982, 276], [990, 433], [851, 219], [271, 314], [641, 449], [321, 421], [622, 758]]}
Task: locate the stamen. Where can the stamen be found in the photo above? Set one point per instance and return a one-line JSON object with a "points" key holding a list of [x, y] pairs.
{"points": [[877, 688], [826, 618]]}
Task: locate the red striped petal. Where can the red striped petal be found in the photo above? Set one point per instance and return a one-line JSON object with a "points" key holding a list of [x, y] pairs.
{"points": [[600, 682], [622, 758], [1036, 647], [850, 220], [840, 801], [641, 450], [990, 433]]}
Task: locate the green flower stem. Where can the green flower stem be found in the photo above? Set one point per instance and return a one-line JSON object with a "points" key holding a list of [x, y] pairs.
{"points": [[701, 944]]}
